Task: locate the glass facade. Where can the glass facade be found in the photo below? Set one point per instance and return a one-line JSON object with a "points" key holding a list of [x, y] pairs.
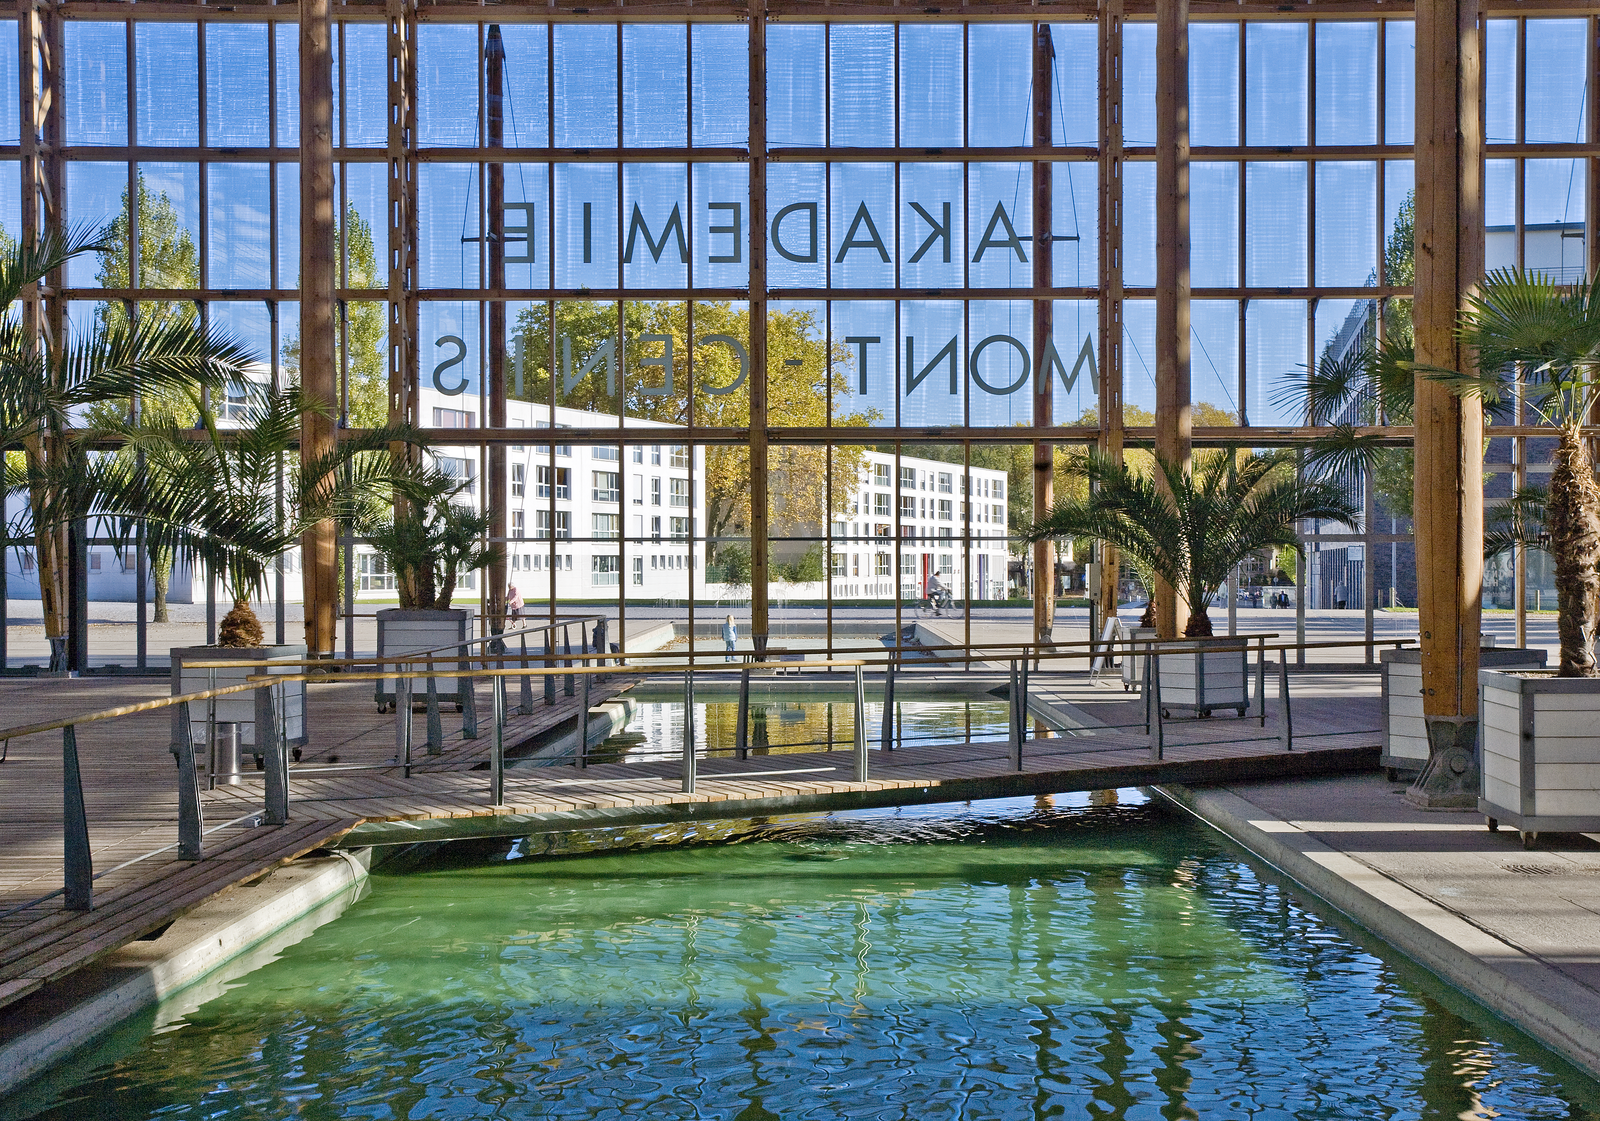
{"points": [[741, 281]]}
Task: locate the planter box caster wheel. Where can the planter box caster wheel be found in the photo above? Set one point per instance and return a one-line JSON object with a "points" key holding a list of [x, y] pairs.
{"points": [[261, 763], [1166, 715], [1529, 840], [1241, 711], [458, 708], [1493, 823], [1394, 776], [297, 755]]}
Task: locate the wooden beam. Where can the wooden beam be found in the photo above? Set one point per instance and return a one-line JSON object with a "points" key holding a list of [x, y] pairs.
{"points": [[494, 593], [1110, 326], [760, 561], [318, 367], [1174, 423], [1044, 583]]}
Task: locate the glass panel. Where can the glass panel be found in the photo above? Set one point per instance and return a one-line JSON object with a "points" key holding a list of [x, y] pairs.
{"points": [[655, 85], [366, 188], [1073, 368], [586, 86], [798, 225], [450, 356], [588, 362], [527, 72], [449, 224], [97, 193], [96, 80], [1214, 362], [1275, 83], [1214, 224], [1347, 83], [236, 85], [796, 104], [933, 356], [861, 85], [722, 194], [1139, 362], [366, 89], [10, 200], [1275, 224], [447, 104], [999, 84], [930, 69], [1500, 81], [1000, 225], [586, 226], [720, 89], [655, 249], [286, 82], [169, 225], [1075, 234], [248, 323], [288, 225], [528, 365], [369, 366], [1399, 262], [655, 364], [1553, 218], [1399, 80], [1139, 84], [1139, 224], [525, 225], [866, 371], [1557, 110], [797, 367], [1347, 221], [861, 225], [10, 118], [239, 225], [1275, 351], [721, 362], [167, 83], [1076, 69], [1214, 84]]}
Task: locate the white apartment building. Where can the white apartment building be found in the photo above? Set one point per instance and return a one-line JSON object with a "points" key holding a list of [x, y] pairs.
{"points": [[926, 509]]}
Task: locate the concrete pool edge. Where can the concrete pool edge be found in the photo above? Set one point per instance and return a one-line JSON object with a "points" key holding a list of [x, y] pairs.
{"points": [[1540, 999], [220, 939]]}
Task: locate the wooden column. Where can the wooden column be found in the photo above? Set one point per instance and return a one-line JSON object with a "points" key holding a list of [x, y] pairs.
{"points": [[495, 491], [1044, 589], [760, 567], [1173, 422], [402, 263], [1449, 443], [318, 367], [1110, 336]]}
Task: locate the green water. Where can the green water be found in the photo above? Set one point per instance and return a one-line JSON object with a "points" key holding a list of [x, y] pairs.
{"points": [[1009, 960]]}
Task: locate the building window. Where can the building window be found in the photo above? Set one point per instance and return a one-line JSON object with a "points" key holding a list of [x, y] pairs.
{"points": [[946, 510], [605, 571], [997, 515], [655, 530], [605, 486], [638, 572], [908, 506], [655, 492], [372, 573], [604, 453], [880, 505], [605, 526], [945, 564], [999, 488], [855, 564], [908, 478], [519, 524], [838, 564], [680, 491], [453, 418], [946, 482], [563, 482], [908, 564], [680, 529], [881, 529], [637, 494], [880, 474], [541, 524], [881, 564], [519, 479], [655, 454], [463, 471], [678, 456]]}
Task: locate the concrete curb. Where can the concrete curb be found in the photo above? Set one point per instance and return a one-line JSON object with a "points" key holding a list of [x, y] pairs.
{"points": [[222, 939], [1540, 999]]}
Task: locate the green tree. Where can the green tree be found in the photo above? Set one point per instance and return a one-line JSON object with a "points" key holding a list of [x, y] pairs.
{"points": [[368, 332]]}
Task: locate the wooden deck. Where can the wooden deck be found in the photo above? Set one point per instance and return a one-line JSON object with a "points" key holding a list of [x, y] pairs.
{"points": [[130, 791]]}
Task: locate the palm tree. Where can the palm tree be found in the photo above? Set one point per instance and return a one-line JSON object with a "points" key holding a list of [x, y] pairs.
{"points": [[48, 386], [1191, 527], [250, 496], [430, 540], [1525, 327]]}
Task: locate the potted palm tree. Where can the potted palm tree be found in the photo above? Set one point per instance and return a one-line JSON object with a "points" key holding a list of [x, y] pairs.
{"points": [[429, 540], [1537, 727], [49, 386], [1191, 527]]}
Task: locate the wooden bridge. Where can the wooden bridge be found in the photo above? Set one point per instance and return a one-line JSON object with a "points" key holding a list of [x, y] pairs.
{"points": [[1079, 736]]}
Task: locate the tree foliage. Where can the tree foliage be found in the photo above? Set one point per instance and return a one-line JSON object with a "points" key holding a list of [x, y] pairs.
{"points": [[368, 330]]}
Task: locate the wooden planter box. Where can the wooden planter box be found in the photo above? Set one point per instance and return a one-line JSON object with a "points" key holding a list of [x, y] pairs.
{"points": [[240, 708], [1205, 679], [1405, 737], [1541, 752], [410, 631]]}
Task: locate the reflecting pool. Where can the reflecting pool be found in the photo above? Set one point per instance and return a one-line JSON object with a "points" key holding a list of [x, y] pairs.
{"points": [[1093, 957]]}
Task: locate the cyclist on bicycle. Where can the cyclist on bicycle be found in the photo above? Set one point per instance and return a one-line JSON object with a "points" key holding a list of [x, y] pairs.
{"points": [[938, 598]]}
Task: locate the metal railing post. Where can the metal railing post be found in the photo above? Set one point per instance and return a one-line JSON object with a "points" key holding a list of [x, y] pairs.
{"points": [[1014, 727], [467, 690], [861, 726], [79, 864], [525, 699], [190, 816], [435, 722], [211, 732], [570, 686], [600, 643], [688, 732], [549, 663], [741, 731], [886, 732], [402, 726], [1261, 679], [1152, 712], [497, 746], [1022, 716], [274, 757], [1286, 732], [583, 722]]}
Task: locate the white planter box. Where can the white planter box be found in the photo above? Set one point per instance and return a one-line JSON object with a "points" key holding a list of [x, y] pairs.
{"points": [[1539, 737], [1205, 679], [406, 631], [1405, 737], [239, 708], [1133, 664]]}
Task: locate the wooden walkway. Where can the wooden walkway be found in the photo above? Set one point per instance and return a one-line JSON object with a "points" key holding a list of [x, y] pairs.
{"points": [[130, 791]]}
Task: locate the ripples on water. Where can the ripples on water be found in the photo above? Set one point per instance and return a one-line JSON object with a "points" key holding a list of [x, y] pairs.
{"points": [[1010, 960]]}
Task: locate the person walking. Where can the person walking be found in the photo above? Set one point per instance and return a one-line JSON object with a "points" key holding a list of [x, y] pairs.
{"points": [[730, 636], [513, 602]]}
